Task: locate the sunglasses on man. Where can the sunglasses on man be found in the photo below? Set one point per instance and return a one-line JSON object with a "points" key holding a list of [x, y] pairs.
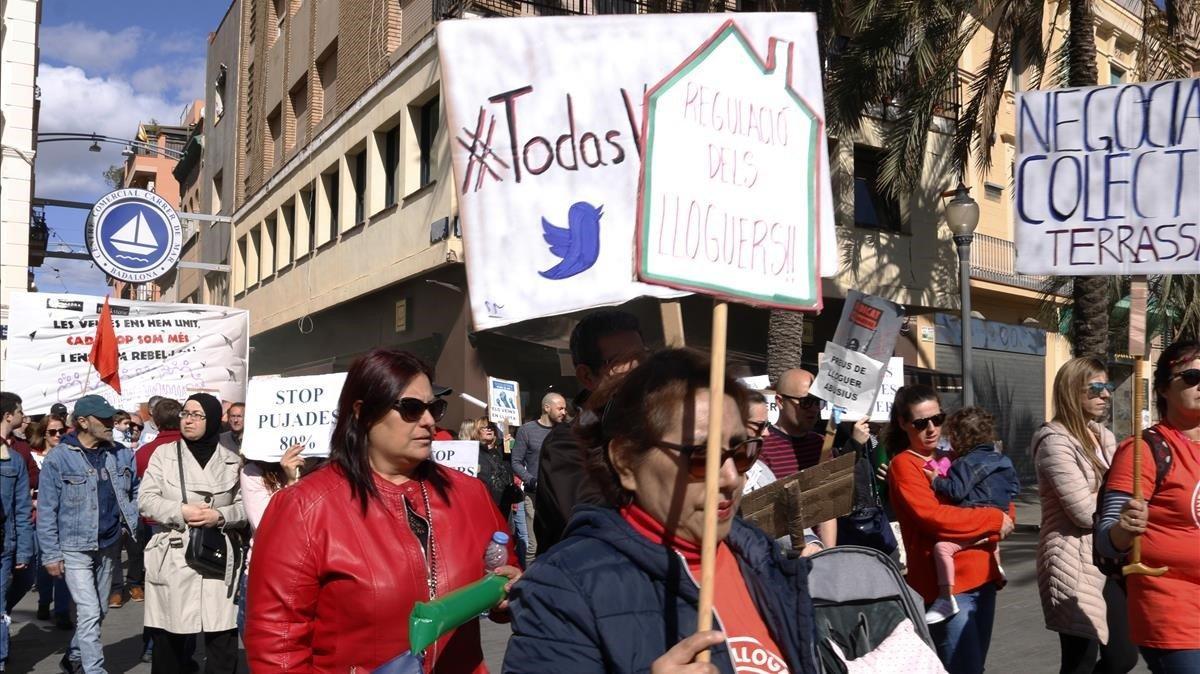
{"points": [[806, 402], [412, 409], [744, 455]]}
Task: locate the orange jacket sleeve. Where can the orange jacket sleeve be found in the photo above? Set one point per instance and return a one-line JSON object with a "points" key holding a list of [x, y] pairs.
{"points": [[911, 492]]}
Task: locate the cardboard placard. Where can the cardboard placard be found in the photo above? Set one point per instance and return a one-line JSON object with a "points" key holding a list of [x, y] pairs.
{"points": [[461, 455], [804, 499], [504, 401]]}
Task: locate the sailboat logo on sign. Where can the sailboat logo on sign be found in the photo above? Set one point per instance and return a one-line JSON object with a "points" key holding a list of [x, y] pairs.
{"points": [[134, 235]]}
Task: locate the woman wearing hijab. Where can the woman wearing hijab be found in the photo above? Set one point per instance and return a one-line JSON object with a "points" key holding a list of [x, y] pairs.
{"points": [[180, 602]]}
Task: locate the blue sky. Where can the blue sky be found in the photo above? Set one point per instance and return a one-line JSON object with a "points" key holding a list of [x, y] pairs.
{"points": [[107, 65]]}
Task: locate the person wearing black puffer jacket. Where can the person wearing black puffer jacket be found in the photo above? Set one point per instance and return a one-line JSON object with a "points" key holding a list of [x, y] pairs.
{"points": [[649, 459]]}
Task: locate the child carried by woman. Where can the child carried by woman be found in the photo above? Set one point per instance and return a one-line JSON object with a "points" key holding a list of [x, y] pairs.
{"points": [[979, 476]]}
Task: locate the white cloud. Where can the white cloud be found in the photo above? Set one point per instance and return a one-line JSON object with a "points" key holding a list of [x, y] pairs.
{"points": [[110, 106], [93, 48], [185, 79]]}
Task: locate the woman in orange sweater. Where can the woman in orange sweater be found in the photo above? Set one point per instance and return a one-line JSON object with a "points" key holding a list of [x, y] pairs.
{"points": [[912, 437]]}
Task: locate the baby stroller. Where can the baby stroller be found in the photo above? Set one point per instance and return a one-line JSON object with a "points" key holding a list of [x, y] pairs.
{"points": [[867, 617]]}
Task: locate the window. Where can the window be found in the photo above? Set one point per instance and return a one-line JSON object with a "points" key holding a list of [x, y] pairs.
{"points": [[391, 165], [306, 223], [299, 101], [426, 132], [1116, 74], [273, 149], [219, 93], [358, 182], [280, 12], [328, 211], [327, 71], [285, 234], [252, 249], [872, 208], [239, 267], [218, 185], [266, 254]]}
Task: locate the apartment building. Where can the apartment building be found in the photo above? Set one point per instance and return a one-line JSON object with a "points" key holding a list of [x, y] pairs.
{"points": [[334, 165], [19, 21]]}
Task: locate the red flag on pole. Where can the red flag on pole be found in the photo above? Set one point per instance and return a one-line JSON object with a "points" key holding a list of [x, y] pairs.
{"points": [[104, 356]]}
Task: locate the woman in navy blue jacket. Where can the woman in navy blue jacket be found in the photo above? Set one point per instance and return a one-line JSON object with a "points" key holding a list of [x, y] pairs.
{"points": [[619, 593]]}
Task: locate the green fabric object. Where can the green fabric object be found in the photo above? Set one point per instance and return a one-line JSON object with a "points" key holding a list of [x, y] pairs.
{"points": [[429, 621]]}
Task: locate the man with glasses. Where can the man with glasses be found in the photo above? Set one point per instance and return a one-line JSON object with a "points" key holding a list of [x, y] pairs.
{"points": [[17, 503], [232, 438], [87, 500], [605, 345], [793, 443]]}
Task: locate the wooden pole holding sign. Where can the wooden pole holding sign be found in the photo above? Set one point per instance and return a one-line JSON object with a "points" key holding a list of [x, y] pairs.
{"points": [[712, 469], [1137, 348], [672, 323]]}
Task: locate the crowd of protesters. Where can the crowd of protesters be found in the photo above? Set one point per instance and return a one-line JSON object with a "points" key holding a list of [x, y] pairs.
{"points": [[314, 563]]}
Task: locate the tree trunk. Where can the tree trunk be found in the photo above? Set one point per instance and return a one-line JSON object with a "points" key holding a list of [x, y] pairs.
{"points": [[1090, 310], [785, 335]]}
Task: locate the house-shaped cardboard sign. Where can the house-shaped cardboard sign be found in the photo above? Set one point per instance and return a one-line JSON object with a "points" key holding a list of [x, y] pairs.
{"points": [[729, 190]]}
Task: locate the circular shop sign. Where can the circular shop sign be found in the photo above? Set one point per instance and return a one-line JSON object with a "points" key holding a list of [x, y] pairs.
{"points": [[135, 235]]}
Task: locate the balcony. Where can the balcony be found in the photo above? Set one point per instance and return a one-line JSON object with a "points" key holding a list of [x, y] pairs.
{"points": [[995, 260], [452, 9], [946, 105]]}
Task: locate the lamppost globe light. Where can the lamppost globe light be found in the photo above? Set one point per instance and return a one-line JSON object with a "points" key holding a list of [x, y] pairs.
{"points": [[95, 147], [962, 213]]}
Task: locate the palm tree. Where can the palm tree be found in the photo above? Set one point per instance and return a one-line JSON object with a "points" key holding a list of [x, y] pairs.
{"points": [[903, 54], [1089, 318]]}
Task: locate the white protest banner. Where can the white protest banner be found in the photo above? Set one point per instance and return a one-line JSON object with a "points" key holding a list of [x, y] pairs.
{"points": [[730, 181], [461, 455], [1108, 180], [286, 411], [848, 379], [171, 350], [547, 151], [893, 379], [504, 401], [762, 384]]}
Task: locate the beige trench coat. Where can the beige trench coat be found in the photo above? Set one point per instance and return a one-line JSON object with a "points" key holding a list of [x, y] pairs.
{"points": [[178, 599], [1071, 587]]}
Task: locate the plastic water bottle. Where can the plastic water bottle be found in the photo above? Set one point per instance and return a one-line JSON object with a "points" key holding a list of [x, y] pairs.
{"points": [[497, 552]]}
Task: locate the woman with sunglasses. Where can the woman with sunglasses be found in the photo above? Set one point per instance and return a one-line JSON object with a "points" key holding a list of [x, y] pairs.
{"points": [[341, 557], [1072, 453], [912, 437], [1164, 611], [43, 437], [619, 593]]}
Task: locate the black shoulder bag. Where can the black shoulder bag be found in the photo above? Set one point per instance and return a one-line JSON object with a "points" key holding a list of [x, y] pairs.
{"points": [[206, 546]]}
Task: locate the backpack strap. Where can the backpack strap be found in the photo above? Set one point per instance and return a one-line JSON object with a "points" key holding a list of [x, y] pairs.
{"points": [[1160, 449]]}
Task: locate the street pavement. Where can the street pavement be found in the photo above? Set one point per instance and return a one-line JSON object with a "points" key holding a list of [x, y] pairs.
{"points": [[1020, 641]]}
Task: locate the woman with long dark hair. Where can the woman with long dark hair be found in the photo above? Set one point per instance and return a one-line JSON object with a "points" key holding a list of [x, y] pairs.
{"points": [[912, 438], [341, 557], [43, 437], [1072, 453]]}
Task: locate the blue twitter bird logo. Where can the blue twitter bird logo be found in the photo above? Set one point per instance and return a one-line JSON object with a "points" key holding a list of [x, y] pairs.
{"points": [[578, 245]]}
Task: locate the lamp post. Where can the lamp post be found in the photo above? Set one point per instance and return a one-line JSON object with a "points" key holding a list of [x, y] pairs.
{"points": [[962, 215]]}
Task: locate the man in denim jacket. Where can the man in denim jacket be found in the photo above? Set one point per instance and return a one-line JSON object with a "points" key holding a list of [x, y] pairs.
{"points": [[17, 511], [87, 496]]}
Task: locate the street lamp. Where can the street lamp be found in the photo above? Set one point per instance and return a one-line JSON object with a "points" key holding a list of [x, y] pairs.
{"points": [[962, 215]]}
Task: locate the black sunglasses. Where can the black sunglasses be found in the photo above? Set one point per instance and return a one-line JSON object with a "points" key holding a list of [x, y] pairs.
{"points": [[937, 420], [53, 432], [412, 409], [1096, 388], [807, 402], [1190, 377], [758, 427], [744, 455]]}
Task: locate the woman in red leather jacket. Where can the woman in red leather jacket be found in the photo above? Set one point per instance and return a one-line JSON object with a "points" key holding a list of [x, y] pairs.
{"points": [[341, 558]]}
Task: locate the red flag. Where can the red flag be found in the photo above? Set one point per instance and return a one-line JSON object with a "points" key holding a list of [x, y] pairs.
{"points": [[104, 354]]}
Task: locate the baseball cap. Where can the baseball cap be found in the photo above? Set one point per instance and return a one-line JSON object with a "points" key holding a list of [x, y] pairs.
{"points": [[58, 409], [94, 406]]}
